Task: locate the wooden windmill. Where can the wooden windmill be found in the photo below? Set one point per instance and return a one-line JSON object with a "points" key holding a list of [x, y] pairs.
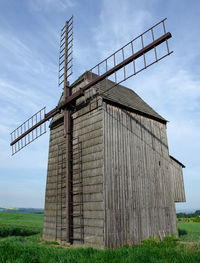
{"points": [[105, 138]]}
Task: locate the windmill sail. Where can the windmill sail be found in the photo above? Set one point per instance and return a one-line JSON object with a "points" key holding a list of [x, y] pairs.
{"points": [[136, 61], [65, 54], [30, 130], [138, 54], [35, 126]]}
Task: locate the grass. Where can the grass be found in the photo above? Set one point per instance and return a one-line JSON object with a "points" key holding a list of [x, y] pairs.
{"points": [[21, 219], [189, 231], [18, 249], [20, 224], [20, 245]]}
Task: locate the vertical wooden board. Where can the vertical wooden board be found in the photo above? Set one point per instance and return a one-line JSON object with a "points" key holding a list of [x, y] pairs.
{"points": [[156, 145], [128, 182], [104, 172], [177, 181], [110, 186], [109, 176], [148, 133], [163, 138], [114, 174], [124, 165], [127, 175], [131, 189], [119, 177], [107, 173]]}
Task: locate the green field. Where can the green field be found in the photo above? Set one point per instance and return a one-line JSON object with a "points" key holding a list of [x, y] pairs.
{"points": [[21, 219], [189, 231], [21, 241]]}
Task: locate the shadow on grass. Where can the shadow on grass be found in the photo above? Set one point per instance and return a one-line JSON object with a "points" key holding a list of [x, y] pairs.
{"points": [[17, 231], [182, 232]]}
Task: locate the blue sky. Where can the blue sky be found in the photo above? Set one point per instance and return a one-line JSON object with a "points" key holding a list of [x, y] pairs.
{"points": [[29, 44]]}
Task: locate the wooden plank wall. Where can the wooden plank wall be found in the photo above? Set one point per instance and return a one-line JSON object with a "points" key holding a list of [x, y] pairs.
{"points": [[137, 183], [55, 212], [178, 183], [88, 130]]}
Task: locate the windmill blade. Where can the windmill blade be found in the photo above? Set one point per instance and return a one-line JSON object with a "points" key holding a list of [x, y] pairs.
{"points": [[65, 54], [150, 41], [137, 55], [31, 129], [35, 126]]}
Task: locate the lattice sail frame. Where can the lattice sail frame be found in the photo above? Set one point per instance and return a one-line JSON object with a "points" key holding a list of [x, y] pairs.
{"points": [[30, 130], [65, 53], [147, 59]]}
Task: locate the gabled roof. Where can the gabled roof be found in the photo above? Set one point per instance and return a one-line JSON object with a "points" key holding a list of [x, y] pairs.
{"points": [[121, 96], [128, 98]]}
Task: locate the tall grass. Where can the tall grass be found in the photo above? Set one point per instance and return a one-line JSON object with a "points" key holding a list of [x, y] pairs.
{"points": [[17, 249], [17, 231], [20, 242]]}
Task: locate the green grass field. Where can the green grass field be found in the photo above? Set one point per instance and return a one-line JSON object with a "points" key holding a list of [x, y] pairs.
{"points": [[189, 231], [21, 219], [21, 242]]}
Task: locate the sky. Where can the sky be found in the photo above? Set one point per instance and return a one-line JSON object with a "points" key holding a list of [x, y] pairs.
{"points": [[29, 47]]}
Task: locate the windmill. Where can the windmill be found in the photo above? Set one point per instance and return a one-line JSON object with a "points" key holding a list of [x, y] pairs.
{"points": [[132, 58]]}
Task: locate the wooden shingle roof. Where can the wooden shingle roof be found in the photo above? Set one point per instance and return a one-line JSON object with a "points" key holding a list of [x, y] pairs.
{"points": [[121, 96], [129, 99]]}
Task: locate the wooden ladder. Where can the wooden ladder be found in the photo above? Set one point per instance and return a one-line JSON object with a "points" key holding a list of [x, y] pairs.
{"points": [[77, 193], [60, 193]]}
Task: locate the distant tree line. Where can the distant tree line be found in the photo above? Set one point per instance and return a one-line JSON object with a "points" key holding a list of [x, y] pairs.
{"points": [[23, 210], [186, 215]]}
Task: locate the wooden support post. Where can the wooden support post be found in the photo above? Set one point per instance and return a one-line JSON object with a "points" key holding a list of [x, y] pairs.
{"points": [[67, 134]]}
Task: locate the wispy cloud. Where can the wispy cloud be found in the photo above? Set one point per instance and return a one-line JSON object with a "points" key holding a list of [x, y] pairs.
{"points": [[28, 81], [59, 5], [23, 78], [19, 98], [26, 57], [119, 22], [184, 91]]}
